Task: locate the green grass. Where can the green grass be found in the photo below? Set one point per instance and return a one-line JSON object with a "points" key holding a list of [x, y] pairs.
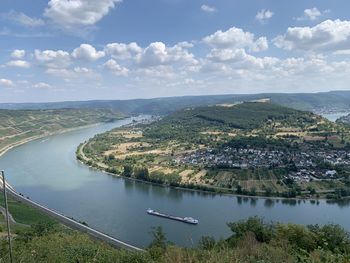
{"points": [[25, 214]]}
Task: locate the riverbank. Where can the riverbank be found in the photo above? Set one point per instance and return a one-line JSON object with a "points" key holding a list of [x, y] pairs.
{"points": [[8, 147], [81, 157]]}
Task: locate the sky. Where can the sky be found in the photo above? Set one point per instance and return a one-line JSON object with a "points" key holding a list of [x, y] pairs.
{"points": [[59, 50]]}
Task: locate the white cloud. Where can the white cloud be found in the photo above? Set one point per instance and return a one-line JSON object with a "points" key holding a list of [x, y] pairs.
{"points": [[42, 85], [68, 13], [311, 14], [157, 53], [60, 73], [236, 38], [342, 52], [76, 76], [222, 55], [193, 82], [208, 9], [158, 73], [229, 66], [236, 71], [87, 52], [327, 36], [6, 83], [18, 53], [81, 70], [18, 63], [122, 50], [264, 15], [185, 44], [53, 59], [115, 68], [23, 19], [238, 59]]}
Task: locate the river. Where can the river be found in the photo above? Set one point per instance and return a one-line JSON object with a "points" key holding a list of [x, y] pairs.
{"points": [[46, 170], [335, 115]]}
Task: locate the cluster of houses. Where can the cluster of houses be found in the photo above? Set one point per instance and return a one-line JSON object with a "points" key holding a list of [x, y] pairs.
{"points": [[145, 121], [233, 157], [307, 175], [305, 163]]}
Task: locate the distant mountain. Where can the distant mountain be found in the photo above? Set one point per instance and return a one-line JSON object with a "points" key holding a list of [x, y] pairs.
{"points": [[317, 102]]}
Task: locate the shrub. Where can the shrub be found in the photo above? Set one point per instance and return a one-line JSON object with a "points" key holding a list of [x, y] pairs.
{"points": [[263, 232]]}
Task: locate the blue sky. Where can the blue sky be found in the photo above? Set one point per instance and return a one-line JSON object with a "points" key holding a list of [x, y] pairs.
{"points": [[111, 49]]}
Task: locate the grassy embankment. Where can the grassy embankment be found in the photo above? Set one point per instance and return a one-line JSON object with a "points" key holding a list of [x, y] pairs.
{"points": [[148, 152]]}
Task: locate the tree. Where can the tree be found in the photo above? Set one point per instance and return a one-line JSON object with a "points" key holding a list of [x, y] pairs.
{"points": [[207, 243], [262, 232], [111, 157], [159, 238], [127, 170], [297, 235], [141, 172], [239, 189], [331, 237], [268, 191], [159, 243], [253, 191]]}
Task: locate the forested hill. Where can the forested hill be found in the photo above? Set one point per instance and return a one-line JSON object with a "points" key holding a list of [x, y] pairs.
{"points": [[245, 116], [323, 101]]}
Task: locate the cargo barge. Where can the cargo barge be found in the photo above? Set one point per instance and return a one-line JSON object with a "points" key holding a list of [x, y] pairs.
{"points": [[188, 220]]}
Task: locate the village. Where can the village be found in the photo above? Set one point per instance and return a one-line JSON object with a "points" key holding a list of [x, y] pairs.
{"points": [[304, 166]]}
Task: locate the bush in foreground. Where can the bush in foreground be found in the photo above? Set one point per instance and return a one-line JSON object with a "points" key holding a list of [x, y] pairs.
{"points": [[252, 240]]}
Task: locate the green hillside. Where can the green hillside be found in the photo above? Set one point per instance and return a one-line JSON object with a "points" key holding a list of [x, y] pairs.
{"points": [[245, 116], [19, 125]]}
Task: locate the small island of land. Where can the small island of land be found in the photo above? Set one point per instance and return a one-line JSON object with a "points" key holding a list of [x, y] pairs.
{"points": [[251, 148]]}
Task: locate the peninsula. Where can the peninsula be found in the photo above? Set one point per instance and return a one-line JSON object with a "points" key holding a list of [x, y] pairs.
{"points": [[251, 148]]}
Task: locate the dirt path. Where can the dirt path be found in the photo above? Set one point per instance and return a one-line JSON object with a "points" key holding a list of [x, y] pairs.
{"points": [[85, 158], [81, 152]]}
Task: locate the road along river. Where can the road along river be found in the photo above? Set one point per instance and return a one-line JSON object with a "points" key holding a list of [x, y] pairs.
{"points": [[47, 171]]}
